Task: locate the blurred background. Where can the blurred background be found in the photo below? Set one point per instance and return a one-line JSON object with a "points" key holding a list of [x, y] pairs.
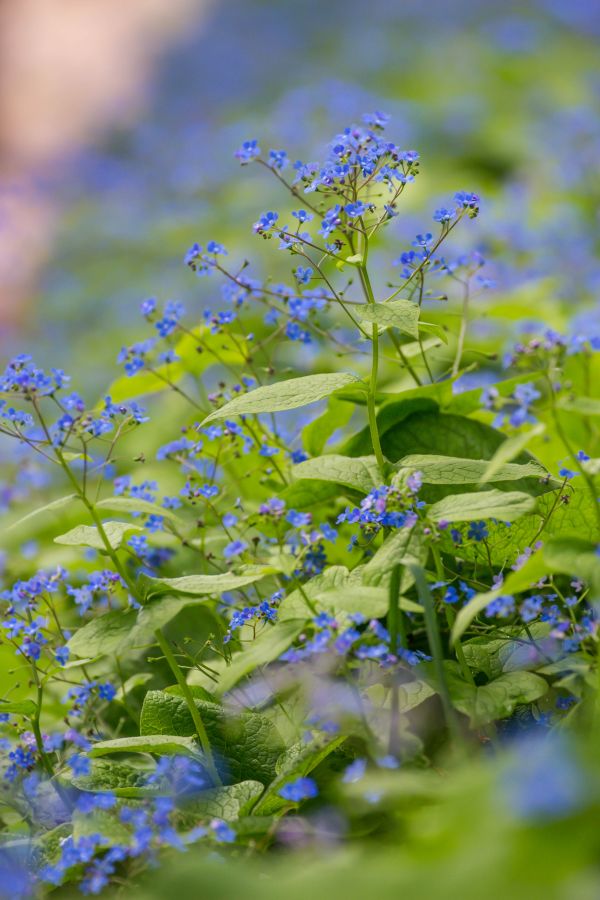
{"points": [[118, 124]]}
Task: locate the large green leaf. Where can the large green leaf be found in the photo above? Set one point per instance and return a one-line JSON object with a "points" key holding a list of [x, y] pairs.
{"points": [[230, 802], [359, 473], [567, 555], [508, 450], [495, 700], [54, 505], [162, 745], [404, 547], [400, 314], [119, 778], [103, 635], [284, 395], [504, 505], [437, 469], [298, 761], [204, 585], [136, 505], [89, 536], [316, 434], [246, 746]]}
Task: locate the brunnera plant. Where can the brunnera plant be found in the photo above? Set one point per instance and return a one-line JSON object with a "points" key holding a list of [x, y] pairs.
{"points": [[253, 605]]}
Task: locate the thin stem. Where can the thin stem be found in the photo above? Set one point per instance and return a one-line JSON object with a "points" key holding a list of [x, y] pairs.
{"points": [[368, 290], [450, 617], [462, 334], [435, 646], [394, 629], [189, 699]]}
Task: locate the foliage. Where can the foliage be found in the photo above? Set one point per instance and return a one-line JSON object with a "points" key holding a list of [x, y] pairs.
{"points": [[261, 619]]}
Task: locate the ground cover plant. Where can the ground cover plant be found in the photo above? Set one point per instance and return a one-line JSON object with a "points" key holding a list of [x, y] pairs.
{"points": [[308, 564]]}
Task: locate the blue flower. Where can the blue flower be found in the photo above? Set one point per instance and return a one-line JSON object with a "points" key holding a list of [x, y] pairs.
{"points": [[80, 765], [301, 789], [248, 151], [444, 215], [223, 833], [235, 548], [478, 531], [278, 159], [266, 222]]}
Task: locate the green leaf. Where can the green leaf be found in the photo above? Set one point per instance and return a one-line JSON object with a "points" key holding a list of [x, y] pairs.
{"points": [[454, 470], [59, 503], [135, 505], [418, 348], [89, 536], [121, 779], [156, 614], [267, 647], [495, 700], [103, 635], [573, 556], [316, 434], [163, 745], [400, 314], [429, 432], [246, 746], [228, 803], [509, 450], [307, 494], [338, 591], [582, 406], [437, 331], [360, 473], [284, 395], [19, 707], [504, 505], [202, 585], [570, 556], [298, 761], [403, 547], [104, 822]]}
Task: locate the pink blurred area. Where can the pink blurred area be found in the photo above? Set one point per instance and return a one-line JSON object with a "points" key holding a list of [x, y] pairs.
{"points": [[69, 71]]}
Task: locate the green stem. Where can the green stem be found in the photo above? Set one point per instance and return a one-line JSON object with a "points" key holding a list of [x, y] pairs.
{"points": [[450, 617], [435, 646], [396, 631], [189, 699], [368, 290], [589, 481]]}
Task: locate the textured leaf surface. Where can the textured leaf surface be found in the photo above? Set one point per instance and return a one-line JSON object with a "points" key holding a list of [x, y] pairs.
{"points": [[403, 547], [104, 634], [199, 585], [570, 556], [229, 802], [454, 470], [504, 505], [136, 505], [89, 536], [495, 700], [298, 761], [284, 395], [122, 779], [316, 434], [246, 746], [360, 473], [400, 314], [508, 450], [164, 745]]}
